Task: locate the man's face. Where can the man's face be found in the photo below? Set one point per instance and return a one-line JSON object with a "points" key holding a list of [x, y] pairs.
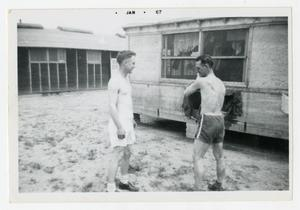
{"points": [[202, 69], [129, 64]]}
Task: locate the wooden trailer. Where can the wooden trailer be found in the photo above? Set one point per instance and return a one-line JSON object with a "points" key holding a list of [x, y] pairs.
{"points": [[250, 55], [63, 59]]}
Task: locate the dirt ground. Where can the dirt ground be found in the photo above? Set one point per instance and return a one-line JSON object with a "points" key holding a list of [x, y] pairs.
{"points": [[61, 149]]}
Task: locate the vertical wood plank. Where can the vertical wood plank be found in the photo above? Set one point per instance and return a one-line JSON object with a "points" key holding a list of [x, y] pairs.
{"points": [[94, 66], [40, 77], [48, 69], [67, 79], [101, 83], [58, 81], [87, 70], [76, 62], [29, 67]]}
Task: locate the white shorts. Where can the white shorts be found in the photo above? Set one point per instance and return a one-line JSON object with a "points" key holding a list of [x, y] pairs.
{"points": [[113, 136]]}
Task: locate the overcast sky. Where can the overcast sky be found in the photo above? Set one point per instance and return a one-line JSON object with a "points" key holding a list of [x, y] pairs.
{"points": [[105, 21]]}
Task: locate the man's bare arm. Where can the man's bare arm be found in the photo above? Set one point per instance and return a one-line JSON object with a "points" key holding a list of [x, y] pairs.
{"points": [[113, 99], [193, 87]]}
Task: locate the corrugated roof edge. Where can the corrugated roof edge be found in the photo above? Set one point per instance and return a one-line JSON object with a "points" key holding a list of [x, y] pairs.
{"points": [[69, 29], [181, 20], [30, 25]]}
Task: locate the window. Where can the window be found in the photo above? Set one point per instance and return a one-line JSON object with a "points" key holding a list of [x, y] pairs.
{"points": [[227, 48], [93, 56], [94, 69], [57, 55], [38, 54], [180, 44], [48, 69], [177, 55]]}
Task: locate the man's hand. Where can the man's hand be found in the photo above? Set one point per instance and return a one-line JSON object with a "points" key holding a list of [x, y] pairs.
{"points": [[121, 133]]}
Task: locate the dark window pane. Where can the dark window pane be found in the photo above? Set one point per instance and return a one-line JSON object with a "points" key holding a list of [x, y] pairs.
{"points": [[230, 70], [71, 66], [23, 70], [225, 43], [93, 56], [53, 76], [62, 76], [61, 55], [189, 70], [178, 68], [98, 75], [38, 54], [53, 54], [82, 68], [91, 75], [113, 54], [35, 78], [183, 44], [44, 77], [105, 65]]}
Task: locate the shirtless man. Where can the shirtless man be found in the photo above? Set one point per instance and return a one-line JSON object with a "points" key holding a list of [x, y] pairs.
{"points": [[121, 123], [211, 126]]}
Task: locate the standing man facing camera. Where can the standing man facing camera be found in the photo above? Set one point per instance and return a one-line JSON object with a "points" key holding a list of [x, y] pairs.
{"points": [[211, 127], [121, 123]]}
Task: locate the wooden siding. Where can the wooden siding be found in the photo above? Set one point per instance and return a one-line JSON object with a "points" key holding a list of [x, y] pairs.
{"points": [[148, 56], [23, 70], [269, 57]]}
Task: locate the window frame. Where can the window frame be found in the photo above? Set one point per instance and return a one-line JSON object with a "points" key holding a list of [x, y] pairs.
{"points": [[93, 63], [48, 62], [245, 57]]}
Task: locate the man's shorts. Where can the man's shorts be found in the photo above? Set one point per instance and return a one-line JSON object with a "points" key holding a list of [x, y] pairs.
{"points": [[211, 129], [129, 134]]}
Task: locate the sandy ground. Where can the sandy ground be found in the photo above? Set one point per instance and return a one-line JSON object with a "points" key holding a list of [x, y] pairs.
{"points": [[61, 149]]}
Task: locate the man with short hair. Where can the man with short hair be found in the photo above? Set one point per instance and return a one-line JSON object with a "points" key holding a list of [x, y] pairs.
{"points": [[121, 123], [211, 127]]}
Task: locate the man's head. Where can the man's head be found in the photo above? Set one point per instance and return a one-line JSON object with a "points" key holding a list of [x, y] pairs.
{"points": [[204, 65], [126, 60]]}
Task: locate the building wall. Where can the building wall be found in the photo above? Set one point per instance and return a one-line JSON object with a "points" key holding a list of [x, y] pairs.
{"points": [[62, 75], [23, 71], [146, 98], [267, 70], [268, 67], [148, 54]]}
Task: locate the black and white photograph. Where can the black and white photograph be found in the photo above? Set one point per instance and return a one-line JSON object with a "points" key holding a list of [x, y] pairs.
{"points": [[184, 100]]}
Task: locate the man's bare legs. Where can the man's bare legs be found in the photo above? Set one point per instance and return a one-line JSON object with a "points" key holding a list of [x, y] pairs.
{"points": [[124, 165], [113, 165], [218, 154], [200, 148]]}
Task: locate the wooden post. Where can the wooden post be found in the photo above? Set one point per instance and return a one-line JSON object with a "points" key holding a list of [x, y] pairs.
{"points": [[66, 70], [200, 47], [94, 66], [76, 62], [101, 76], [48, 69], [58, 81], [40, 77], [29, 68], [87, 70]]}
